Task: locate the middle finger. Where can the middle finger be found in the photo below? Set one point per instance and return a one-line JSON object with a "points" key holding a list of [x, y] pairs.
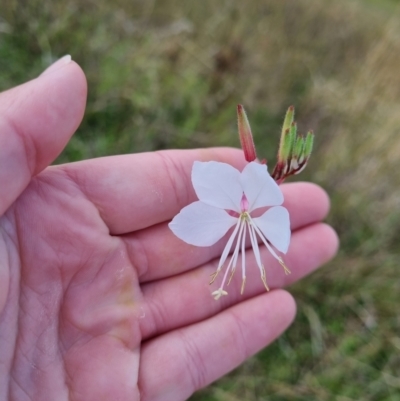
{"points": [[186, 298]]}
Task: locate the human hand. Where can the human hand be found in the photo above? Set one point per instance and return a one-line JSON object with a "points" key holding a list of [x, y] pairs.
{"points": [[98, 299]]}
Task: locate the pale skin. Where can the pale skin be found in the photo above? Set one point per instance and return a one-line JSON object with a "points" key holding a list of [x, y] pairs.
{"points": [[98, 299]]}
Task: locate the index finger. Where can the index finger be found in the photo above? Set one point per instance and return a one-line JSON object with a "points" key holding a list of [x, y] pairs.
{"points": [[136, 191]]}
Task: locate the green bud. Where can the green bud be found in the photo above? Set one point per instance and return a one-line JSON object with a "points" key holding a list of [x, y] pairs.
{"points": [[289, 118], [292, 138], [285, 146], [294, 150], [308, 146], [298, 147]]}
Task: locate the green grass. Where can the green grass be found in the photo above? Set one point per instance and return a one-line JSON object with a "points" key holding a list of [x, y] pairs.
{"points": [[169, 74]]}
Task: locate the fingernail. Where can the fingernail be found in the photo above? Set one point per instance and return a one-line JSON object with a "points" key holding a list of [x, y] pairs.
{"points": [[56, 65]]}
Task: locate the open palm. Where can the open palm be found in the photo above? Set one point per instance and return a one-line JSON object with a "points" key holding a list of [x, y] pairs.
{"points": [[98, 299]]}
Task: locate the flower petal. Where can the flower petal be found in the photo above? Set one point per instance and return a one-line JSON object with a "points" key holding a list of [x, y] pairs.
{"points": [[217, 184], [259, 187], [200, 224], [275, 225]]}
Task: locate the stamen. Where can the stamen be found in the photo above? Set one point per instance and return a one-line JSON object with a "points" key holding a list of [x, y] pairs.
{"points": [[231, 276], [243, 284], [235, 254], [239, 233], [228, 246], [282, 263], [254, 245], [244, 253], [214, 276], [264, 278]]}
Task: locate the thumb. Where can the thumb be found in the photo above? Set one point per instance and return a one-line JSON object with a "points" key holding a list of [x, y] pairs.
{"points": [[37, 120]]}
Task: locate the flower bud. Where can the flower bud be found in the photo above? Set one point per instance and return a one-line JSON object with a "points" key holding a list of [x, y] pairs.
{"points": [[245, 135], [294, 150]]}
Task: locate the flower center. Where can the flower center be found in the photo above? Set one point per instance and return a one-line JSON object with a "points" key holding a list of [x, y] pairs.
{"points": [[245, 216]]}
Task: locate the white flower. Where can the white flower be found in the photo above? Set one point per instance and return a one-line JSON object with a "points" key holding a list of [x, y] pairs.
{"points": [[228, 198]]}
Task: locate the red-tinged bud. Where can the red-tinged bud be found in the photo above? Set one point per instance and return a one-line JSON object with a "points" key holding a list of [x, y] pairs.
{"points": [[278, 171], [245, 135]]}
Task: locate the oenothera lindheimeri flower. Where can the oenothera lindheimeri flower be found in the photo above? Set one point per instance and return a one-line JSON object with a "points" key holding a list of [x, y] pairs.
{"points": [[228, 198]]}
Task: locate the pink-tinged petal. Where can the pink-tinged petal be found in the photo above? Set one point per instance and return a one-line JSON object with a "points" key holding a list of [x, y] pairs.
{"points": [[201, 225], [217, 184], [259, 187], [275, 225]]}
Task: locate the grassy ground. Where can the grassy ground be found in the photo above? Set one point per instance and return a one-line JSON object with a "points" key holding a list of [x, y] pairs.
{"points": [[169, 73]]}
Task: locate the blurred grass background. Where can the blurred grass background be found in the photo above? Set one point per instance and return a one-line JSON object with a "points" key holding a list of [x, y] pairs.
{"points": [[166, 74]]}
